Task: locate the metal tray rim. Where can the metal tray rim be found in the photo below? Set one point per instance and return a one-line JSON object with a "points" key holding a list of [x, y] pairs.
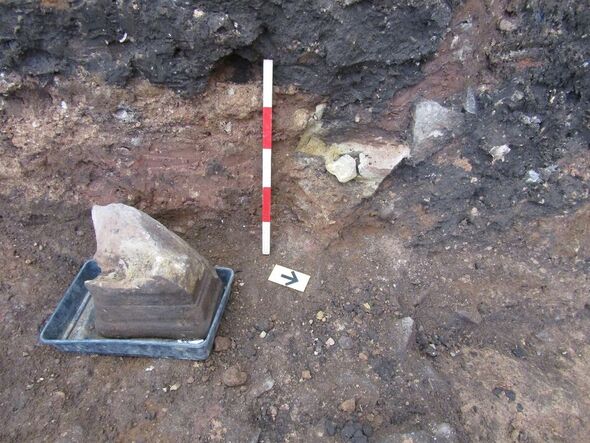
{"points": [[86, 345]]}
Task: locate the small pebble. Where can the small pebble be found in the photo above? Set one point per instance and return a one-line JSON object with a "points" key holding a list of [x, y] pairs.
{"points": [[175, 387], [234, 377], [532, 177], [222, 344], [499, 153], [330, 342], [518, 352], [510, 394], [306, 375], [345, 342], [348, 405], [348, 307]]}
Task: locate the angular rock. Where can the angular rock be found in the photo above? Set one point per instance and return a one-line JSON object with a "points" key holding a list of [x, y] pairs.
{"points": [[470, 104], [330, 428], [348, 405], [377, 158], [405, 332], [532, 176], [377, 162], [499, 153], [221, 344], [432, 123], [398, 337], [469, 315], [233, 377], [348, 430], [259, 387], [345, 342], [325, 197], [153, 284], [344, 169]]}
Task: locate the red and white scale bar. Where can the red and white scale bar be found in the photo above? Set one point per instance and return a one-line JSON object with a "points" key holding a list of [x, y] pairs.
{"points": [[266, 152]]}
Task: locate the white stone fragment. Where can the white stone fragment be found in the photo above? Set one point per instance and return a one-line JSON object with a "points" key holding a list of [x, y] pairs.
{"points": [[532, 176], [431, 119], [499, 153], [375, 164], [432, 122], [470, 104], [344, 168]]}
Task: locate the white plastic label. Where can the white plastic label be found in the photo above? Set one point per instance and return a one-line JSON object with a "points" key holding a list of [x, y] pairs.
{"points": [[289, 278]]}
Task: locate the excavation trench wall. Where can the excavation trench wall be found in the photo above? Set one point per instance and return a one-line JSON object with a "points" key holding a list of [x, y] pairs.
{"points": [[157, 104]]}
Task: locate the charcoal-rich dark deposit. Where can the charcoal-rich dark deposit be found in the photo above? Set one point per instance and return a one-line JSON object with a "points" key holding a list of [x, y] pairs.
{"points": [[352, 51], [431, 174]]}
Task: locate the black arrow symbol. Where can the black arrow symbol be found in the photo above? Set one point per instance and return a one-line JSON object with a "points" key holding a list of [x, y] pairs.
{"points": [[292, 279]]}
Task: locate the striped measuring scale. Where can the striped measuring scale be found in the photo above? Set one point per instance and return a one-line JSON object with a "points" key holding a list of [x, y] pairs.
{"points": [[266, 152]]}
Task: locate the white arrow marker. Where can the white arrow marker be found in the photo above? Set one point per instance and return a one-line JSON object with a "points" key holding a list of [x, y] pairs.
{"points": [[289, 278]]}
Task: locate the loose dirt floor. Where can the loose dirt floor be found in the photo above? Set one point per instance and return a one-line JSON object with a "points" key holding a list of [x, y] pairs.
{"points": [[450, 306], [467, 339]]}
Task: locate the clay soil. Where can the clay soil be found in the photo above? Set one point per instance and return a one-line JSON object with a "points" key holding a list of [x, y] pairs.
{"points": [[498, 351], [506, 313]]}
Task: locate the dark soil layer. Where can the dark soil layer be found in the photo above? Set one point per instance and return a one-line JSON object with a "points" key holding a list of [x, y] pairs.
{"points": [[351, 51]]}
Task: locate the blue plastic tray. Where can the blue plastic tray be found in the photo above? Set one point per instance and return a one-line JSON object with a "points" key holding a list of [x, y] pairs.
{"points": [[71, 327]]}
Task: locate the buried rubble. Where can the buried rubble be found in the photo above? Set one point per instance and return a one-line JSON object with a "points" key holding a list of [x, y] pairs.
{"points": [[433, 124], [377, 155]]}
